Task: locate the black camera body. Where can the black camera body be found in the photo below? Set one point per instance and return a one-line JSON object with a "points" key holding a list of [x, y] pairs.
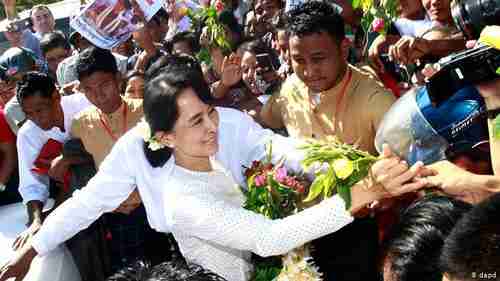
{"points": [[463, 69]]}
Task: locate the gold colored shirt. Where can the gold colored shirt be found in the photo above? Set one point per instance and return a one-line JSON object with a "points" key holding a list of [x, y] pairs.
{"points": [[99, 136], [306, 115]]}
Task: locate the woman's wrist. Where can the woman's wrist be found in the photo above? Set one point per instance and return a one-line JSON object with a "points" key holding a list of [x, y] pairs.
{"points": [[363, 194]]}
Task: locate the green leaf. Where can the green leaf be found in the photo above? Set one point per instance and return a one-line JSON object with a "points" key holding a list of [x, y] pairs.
{"points": [[343, 168], [316, 188], [498, 71], [356, 4], [496, 127], [345, 193]]}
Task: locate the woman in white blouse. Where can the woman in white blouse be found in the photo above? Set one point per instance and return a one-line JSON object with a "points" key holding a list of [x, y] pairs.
{"points": [[201, 203]]}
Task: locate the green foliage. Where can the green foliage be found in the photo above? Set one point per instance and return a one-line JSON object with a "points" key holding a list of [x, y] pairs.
{"points": [[267, 269], [346, 166], [372, 9], [208, 17]]}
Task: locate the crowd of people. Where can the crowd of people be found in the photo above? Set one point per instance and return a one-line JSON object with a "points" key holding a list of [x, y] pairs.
{"points": [[141, 146]]}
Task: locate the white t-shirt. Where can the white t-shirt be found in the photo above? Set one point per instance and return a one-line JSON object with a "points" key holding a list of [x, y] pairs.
{"points": [[30, 141]]}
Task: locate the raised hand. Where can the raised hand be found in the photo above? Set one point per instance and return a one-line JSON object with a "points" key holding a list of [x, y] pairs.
{"points": [[231, 70]]}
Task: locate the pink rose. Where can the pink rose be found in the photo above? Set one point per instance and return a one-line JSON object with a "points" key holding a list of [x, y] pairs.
{"points": [[260, 180], [378, 24], [280, 174], [219, 6]]}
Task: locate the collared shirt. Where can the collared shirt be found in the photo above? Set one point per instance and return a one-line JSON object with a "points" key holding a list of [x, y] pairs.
{"points": [[30, 141], [363, 103], [241, 141], [96, 138]]}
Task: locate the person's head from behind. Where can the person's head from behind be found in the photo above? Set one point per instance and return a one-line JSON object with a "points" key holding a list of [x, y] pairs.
{"points": [[412, 248], [79, 42], [176, 109], [99, 78], [14, 63], [166, 271], [55, 48], [318, 47], [248, 52], [438, 10], [42, 19], [473, 247], [39, 99], [184, 43]]}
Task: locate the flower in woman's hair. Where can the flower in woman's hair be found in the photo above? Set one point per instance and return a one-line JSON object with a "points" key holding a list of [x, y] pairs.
{"points": [[378, 24], [145, 132], [260, 180], [280, 174]]}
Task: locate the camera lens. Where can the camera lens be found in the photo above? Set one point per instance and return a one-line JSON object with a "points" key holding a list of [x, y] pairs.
{"points": [[471, 16]]}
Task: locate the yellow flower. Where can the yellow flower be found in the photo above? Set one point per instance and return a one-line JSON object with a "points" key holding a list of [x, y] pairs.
{"points": [[343, 168]]}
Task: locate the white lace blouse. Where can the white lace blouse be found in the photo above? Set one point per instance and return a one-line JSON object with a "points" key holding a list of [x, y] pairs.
{"points": [[214, 231]]}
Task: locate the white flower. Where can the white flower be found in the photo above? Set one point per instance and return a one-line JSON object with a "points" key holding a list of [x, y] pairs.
{"points": [[155, 145], [145, 132]]}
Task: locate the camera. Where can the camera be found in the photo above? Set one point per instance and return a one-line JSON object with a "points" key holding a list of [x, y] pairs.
{"points": [[463, 69], [471, 16]]}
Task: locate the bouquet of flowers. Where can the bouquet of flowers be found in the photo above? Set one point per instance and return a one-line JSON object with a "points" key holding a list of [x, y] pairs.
{"points": [[276, 193], [377, 14]]}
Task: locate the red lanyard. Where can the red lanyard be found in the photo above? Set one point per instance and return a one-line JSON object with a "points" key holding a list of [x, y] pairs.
{"points": [[108, 128]]}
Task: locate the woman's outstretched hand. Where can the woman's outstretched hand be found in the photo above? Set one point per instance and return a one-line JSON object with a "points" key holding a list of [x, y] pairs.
{"points": [[390, 177]]}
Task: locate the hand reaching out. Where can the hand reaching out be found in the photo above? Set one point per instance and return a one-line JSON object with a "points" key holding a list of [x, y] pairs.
{"points": [[231, 70]]}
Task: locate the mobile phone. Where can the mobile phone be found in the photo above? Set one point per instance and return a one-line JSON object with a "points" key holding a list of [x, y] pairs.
{"points": [[264, 62]]}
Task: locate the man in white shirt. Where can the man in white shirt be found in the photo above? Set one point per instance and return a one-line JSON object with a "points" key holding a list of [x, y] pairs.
{"points": [[49, 117]]}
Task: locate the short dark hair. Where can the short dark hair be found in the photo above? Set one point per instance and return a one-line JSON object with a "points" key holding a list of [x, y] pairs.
{"points": [[52, 40], [167, 271], [257, 47], [35, 83], [474, 243], [160, 16], [186, 36], [165, 80], [315, 17], [94, 59], [413, 246]]}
